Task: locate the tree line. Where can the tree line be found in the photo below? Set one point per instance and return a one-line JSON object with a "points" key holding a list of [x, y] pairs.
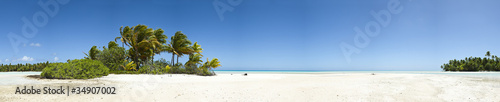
{"points": [[23, 67], [488, 63], [143, 44]]}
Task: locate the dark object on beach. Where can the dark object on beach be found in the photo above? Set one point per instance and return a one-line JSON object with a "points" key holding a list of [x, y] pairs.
{"points": [[373, 73], [245, 74], [35, 76]]}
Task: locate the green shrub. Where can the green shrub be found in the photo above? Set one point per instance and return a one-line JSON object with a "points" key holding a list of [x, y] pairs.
{"points": [[112, 57], [75, 69], [153, 69], [204, 71]]}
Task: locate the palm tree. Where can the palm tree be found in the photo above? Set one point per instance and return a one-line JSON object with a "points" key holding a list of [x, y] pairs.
{"points": [[92, 53], [214, 63], [158, 40], [140, 42], [179, 45], [196, 48], [193, 62], [487, 54], [194, 59]]}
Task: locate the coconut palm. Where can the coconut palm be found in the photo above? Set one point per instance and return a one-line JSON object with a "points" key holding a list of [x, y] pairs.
{"points": [[141, 42], [209, 65], [157, 40], [192, 64], [487, 54], [194, 59], [92, 53], [179, 45], [196, 48]]}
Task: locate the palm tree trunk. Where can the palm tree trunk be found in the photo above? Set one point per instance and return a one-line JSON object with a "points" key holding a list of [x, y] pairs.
{"points": [[136, 59], [172, 59], [153, 57]]}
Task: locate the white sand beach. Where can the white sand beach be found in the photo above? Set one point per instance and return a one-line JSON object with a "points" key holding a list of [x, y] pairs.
{"points": [[267, 87]]}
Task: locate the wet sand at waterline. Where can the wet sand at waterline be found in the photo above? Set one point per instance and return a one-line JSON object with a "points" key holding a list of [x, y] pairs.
{"points": [[265, 87]]}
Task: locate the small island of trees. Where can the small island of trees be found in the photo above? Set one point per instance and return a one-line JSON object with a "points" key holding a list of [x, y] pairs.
{"points": [[488, 63], [143, 44]]}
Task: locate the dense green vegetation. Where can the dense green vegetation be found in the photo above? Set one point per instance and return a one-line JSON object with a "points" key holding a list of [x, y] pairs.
{"points": [[76, 69], [143, 44], [23, 67], [488, 63]]}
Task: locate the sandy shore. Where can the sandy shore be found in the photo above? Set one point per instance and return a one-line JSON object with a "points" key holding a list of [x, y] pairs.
{"points": [[267, 87]]}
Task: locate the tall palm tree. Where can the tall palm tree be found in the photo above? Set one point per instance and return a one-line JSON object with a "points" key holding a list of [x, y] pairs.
{"points": [[179, 45], [158, 40], [140, 42]]}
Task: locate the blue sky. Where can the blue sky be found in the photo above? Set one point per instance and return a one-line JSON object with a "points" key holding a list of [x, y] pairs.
{"points": [[263, 34]]}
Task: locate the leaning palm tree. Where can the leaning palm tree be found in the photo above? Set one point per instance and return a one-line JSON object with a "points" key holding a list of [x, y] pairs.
{"points": [[179, 45], [158, 41], [138, 39], [209, 65], [196, 48], [193, 62], [92, 53], [195, 59]]}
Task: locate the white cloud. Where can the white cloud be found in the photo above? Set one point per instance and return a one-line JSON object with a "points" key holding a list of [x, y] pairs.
{"points": [[56, 59], [26, 58], [53, 54], [6, 60], [35, 44]]}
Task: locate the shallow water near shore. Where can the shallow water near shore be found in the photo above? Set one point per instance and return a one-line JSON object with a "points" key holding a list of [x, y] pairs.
{"points": [[476, 74]]}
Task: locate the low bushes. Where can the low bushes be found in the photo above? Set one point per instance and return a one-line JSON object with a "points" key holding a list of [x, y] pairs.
{"points": [[76, 69]]}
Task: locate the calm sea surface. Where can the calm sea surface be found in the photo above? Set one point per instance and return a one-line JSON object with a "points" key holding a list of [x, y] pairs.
{"points": [[486, 74], [477, 74]]}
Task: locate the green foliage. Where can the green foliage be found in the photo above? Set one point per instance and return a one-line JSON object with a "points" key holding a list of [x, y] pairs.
{"points": [[92, 53], [179, 45], [474, 64], [112, 57], [112, 44], [131, 66], [153, 69], [143, 42], [123, 72], [23, 67], [208, 66], [193, 62], [75, 69], [177, 69]]}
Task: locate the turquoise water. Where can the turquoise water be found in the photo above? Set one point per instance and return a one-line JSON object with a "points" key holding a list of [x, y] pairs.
{"points": [[477, 74]]}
